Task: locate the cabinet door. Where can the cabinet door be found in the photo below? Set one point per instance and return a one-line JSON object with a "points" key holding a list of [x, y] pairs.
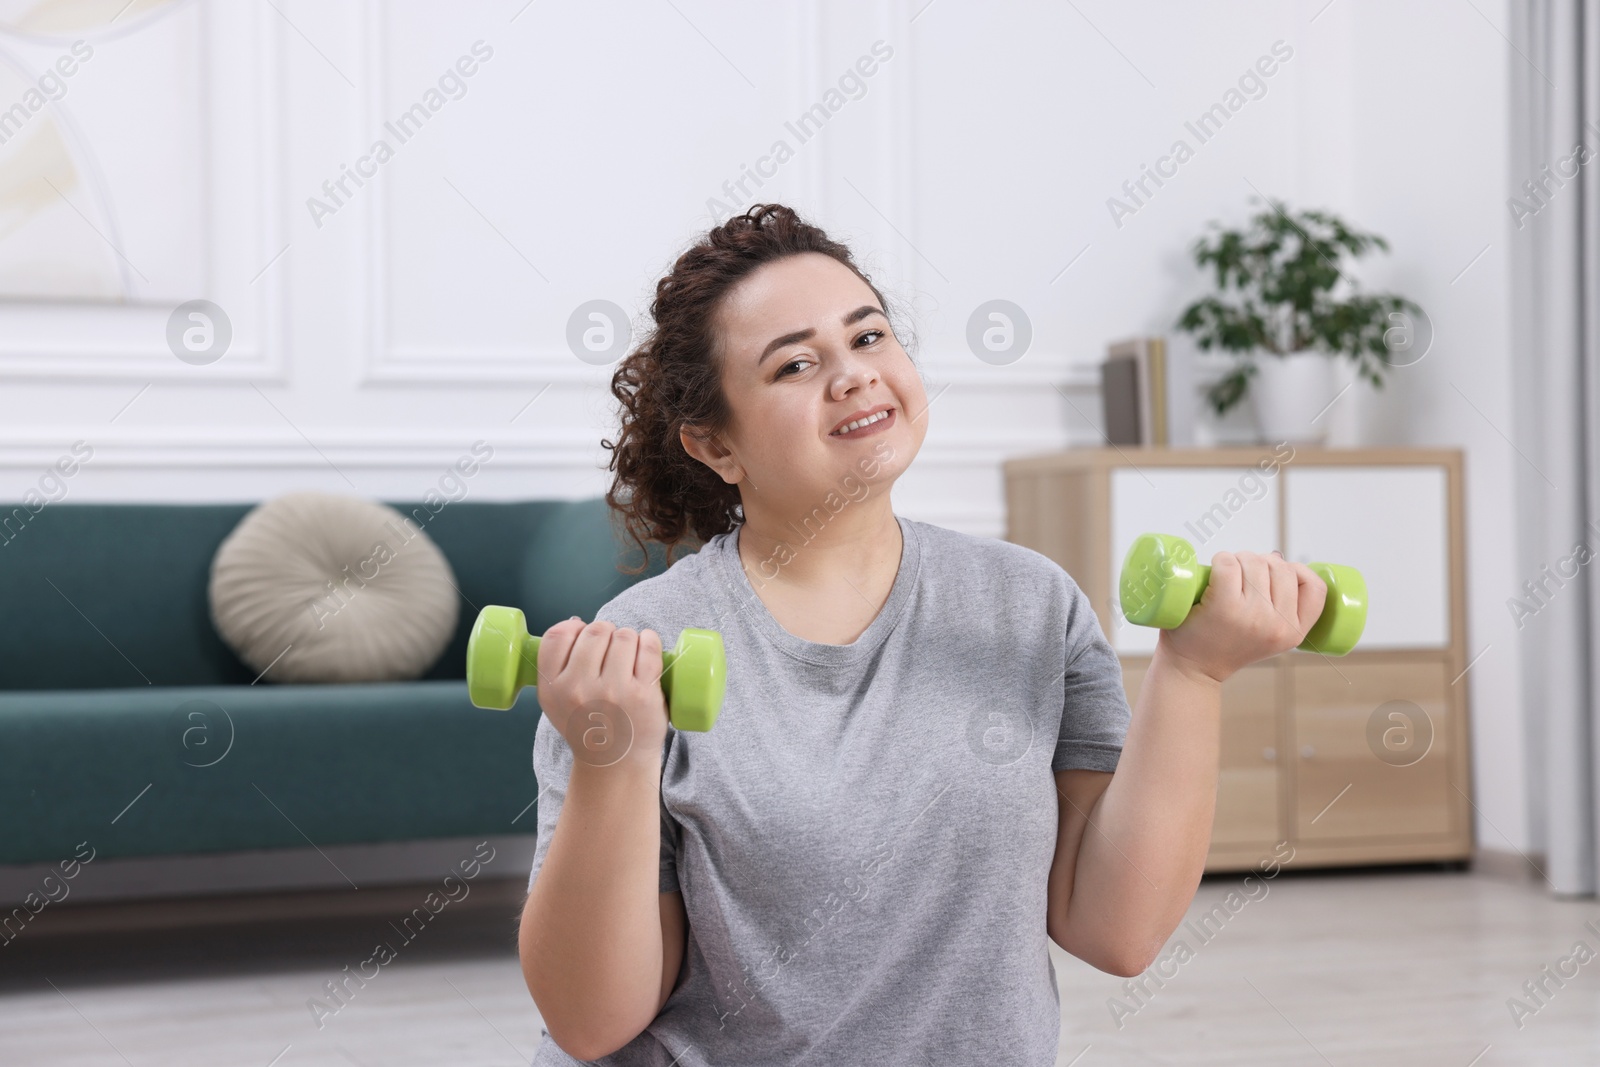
{"points": [[1213, 508], [1372, 749], [1390, 523], [1247, 778]]}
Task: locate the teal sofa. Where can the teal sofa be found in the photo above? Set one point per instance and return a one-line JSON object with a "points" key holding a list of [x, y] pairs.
{"points": [[127, 723]]}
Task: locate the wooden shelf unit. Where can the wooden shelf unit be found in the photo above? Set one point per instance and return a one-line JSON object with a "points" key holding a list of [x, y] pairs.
{"points": [[1310, 753]]}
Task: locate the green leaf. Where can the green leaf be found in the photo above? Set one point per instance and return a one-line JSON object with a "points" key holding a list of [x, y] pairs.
{"points": [[1275, 281], [1230, 389]]}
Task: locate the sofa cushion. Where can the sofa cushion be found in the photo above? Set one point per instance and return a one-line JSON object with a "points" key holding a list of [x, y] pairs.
{"points": [[319, 587]]}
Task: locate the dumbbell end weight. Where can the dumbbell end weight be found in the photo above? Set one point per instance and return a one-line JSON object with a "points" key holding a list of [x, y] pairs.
{"points": [[502, 657], [694, 676], [1161, 580], [1344, 613]]}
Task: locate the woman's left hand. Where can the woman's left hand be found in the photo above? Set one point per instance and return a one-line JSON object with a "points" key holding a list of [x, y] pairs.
{"points": [[1254, 606]]}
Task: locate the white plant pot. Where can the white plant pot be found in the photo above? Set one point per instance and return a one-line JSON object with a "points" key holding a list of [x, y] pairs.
{"points": [[1290, 395]]}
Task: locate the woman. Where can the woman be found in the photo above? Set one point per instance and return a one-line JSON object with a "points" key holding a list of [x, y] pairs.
{"points": [[910, 787]]}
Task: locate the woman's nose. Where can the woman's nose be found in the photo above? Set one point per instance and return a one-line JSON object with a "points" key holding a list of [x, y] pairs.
{"points": [[856, 372]]}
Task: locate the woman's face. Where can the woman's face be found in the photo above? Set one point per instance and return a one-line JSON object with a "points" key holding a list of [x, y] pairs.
{"points": [[806, 352]]}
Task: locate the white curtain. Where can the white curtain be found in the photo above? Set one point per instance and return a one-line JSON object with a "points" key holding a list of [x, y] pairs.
{"points": [[1555, 237]]}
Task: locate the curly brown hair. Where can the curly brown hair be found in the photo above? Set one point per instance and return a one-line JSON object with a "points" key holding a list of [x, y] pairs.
{"points": [[672, 381]]}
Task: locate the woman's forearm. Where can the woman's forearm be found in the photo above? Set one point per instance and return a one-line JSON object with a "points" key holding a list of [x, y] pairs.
{"points": [[591, 936], [1141, 858]]}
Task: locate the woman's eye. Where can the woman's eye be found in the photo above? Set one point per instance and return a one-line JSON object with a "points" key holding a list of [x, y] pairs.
{"points": [[783, 371]]}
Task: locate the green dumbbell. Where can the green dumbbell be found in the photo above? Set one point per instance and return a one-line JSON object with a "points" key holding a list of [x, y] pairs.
{"points": [[502, 657], [1162, 579]]}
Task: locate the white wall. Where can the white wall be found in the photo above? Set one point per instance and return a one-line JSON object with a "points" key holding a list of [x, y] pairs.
{"points": [[429, 310]]}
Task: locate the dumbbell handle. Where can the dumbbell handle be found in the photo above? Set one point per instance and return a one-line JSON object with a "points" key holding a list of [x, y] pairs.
{"points": [[1202, 578], [528, 665]]}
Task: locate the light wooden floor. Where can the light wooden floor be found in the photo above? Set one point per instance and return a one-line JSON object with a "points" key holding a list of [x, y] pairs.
{"points": [[1369, 969]]}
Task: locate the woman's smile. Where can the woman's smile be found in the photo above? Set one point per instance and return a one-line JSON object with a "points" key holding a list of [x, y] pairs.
{"points": [[866, 423]]}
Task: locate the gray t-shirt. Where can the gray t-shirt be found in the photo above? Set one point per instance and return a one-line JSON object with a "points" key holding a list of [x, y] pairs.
{"points": [[863, 840]]}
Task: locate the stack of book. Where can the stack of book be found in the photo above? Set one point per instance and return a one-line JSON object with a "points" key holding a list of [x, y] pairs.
{"points": [[1133, 392]]}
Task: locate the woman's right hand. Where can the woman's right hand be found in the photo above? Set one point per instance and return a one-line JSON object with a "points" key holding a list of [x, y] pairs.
{"points": [[601, 686]]}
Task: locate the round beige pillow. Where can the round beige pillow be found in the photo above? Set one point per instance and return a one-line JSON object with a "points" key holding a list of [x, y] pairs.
{"points": [[326, 588]]}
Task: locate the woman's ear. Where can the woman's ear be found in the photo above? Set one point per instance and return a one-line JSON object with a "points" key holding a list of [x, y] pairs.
{"points": [[711, 451]]}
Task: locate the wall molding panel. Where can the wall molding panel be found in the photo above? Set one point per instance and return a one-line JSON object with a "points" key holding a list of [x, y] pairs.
{"points": [[240, 214]]}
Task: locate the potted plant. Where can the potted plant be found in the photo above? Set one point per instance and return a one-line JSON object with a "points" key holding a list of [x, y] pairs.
{"points": [[1275, 310]]}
